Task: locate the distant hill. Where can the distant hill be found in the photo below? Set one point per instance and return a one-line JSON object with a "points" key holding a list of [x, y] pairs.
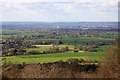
{"points": [[63, 24]]}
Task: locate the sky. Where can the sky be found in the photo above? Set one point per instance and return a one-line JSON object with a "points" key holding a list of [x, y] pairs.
{"points": [[59, 10]]}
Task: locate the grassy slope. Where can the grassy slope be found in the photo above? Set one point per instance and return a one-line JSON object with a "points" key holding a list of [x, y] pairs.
{"points": [[45, 58]]}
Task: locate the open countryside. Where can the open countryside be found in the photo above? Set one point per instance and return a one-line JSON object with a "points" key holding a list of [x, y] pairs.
{"points": [[51, 49]]}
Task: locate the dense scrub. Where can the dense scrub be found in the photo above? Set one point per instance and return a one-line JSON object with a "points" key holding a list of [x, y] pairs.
{"points": [[110, 68], [73, 68]]}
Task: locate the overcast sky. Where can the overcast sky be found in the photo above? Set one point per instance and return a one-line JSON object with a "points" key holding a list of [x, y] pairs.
{"points": [[59, 10]]}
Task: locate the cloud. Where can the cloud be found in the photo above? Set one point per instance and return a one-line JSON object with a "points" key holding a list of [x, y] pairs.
{"points": [[31, 1], [60, 4], [58, 9]]}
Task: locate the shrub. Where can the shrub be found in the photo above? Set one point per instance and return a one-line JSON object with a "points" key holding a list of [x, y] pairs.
{"points": [[110, 67]]}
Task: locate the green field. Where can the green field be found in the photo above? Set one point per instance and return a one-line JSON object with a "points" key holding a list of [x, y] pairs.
{"points": [[17, 32], [102, 48], [47, 47], [37, 49], [75, 40], [71, 47], [45, 58]]}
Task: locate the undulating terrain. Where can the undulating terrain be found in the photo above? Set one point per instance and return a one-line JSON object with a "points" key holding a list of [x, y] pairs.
{"points": [[59, 50]]}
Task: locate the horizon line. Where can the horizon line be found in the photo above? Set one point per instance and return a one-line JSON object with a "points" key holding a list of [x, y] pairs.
{"points": [[57, 21]]}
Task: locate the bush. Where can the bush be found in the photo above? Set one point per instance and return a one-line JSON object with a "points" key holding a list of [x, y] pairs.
{"points": [[110, 67], [21, 66], [34, 52]]}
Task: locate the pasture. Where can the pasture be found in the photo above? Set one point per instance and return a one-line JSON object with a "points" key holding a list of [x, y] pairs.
{"points": [[47, 47], [46, 58], [39, 48], [79, 40], [17, 32]]}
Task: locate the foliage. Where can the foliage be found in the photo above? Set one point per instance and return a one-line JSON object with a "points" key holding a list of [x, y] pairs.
{"points": [[110, 68]]}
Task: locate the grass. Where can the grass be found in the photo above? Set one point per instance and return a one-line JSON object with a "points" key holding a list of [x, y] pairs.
{"points": [[37, 49], [45, 48], [45, 58], [16, 32], [75, 40], [102, 48]]}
